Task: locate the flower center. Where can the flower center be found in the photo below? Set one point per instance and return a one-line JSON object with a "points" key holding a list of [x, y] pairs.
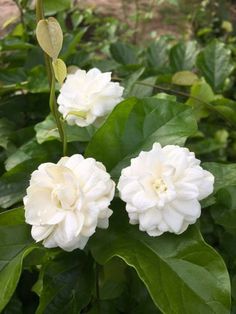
{"points": [[159, 186], [63, 197]]}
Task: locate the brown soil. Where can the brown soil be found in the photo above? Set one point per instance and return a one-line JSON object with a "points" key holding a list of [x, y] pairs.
{"points": [[126, 11], [122, 9]]}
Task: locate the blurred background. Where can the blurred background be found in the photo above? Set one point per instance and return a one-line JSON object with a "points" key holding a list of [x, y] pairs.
{"points": [[144, 19]]}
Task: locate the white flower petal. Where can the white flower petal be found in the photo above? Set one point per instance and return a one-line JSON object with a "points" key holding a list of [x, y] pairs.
{"points": [[173, 219], [40, 233], [162, 189], [65, 202], [85, 97]]}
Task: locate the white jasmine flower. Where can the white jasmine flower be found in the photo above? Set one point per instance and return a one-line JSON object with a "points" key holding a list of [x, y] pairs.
{"points": [[87, 97], [65, 202], [162, 189]]}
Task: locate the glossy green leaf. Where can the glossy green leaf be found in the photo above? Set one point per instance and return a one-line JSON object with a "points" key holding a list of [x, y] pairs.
{"points": [[124, 53], [224, 211], [51, 7], [47, 131], [37, 80], [183, 56], [157, 55], [143, 88], [181, 272], [130, 82], [14, 182], [225, 174], [32, 150], [68, 281], [214, 63], [6, 132], [16, 243], [134, 125], [202, 91], [226, 107]]}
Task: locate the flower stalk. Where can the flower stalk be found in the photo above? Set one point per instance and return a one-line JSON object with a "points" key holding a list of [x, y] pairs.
{"points": [[52, 83]]}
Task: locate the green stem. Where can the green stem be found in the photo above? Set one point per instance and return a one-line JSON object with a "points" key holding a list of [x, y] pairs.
{"points": [[54, 110], [52, 83]]}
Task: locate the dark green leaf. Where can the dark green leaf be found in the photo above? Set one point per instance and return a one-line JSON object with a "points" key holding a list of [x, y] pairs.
{"points": [[225, 174], [130, 82], [135, 125], [32, 150], [157, 55], [124, 53], [224, 211], [6, 132], [181, 272], [182, 56], [67, 284], [14, 182], [143, 88], [214, 63], [16, 243], [51, 7], [226, 107], [47, 131], [12, 76]]}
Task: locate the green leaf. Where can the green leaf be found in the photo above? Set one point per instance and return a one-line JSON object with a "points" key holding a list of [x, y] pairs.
{"points": [[51, 7], [225, 174], [226, 107], [183, 56], [181, 272], [67, 284], [224, 211], [143, 88], [184, 78], [157, 55], [47, 131], [12, 76], [32, 150], [16, 243], [202, 91], [130, 82], [206, 146], [134, 125], [37, 80], [6, 132], [14, 182], [123, 53], [50, 36], [214, 63]]}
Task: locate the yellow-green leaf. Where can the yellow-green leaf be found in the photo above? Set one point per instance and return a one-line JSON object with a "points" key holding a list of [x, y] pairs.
{"points": [[60, 70], [50, 36], [184, 78]]}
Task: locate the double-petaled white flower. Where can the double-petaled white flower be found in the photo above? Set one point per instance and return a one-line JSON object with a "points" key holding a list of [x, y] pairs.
{"points": [[65, 202], [162, 189], [86, 97]]}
